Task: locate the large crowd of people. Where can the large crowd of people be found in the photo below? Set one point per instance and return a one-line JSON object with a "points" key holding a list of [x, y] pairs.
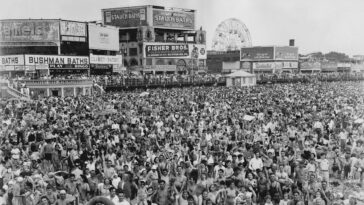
{"points": [[277, 144]]}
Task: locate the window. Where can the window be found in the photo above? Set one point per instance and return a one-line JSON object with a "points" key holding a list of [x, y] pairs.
{"points": [[126, 63], [133, 51], [149, 61]]}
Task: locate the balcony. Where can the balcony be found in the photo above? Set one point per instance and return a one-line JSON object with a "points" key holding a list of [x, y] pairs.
{"points": [[56, 83]]}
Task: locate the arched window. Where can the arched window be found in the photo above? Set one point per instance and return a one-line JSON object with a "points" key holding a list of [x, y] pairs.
{"points": [[181, 65], [160, 62], [133, 62]]}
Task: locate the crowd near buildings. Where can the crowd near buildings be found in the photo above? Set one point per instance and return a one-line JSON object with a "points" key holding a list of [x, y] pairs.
{"points": [[259, 125]]}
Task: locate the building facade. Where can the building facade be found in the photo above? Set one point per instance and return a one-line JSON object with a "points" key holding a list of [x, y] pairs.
{"points": [[270, 59], [158, 39], [40, 47]]}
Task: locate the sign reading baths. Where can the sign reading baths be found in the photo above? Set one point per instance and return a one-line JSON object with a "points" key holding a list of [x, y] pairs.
{"points": [[58, 61], [173, 19], [166, 50]]}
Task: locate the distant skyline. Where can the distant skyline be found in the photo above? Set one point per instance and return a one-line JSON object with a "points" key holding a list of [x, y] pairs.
{"points": [[316, 25]]}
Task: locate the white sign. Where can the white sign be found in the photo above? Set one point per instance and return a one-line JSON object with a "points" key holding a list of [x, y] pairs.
{"points": [[12, 60], [100, 59], [344, 65], [118, 69], [264, 65], [55, 60], [234, 65], [288, 64], [103, 38], [70, 28], [8, 68], [164, 67]]}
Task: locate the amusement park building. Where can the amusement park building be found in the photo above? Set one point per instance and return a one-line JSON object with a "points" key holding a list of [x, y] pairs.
{"points": [[158, 39]]}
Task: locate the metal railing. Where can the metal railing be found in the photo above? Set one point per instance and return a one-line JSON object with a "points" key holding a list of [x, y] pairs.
{"points": [[130, 83], [50, 82]]}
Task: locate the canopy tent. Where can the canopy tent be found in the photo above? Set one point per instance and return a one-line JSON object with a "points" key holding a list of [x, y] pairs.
{"points": [[240, 78]]}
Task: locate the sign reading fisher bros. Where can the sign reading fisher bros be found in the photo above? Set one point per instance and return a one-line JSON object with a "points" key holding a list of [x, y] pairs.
{"points": [[166, 50]]}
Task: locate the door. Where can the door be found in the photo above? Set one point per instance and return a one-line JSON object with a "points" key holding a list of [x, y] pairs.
{"points": [[55, 93]]}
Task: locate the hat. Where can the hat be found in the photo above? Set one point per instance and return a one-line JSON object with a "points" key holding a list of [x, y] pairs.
{"points": [[19, 179], [270, 151], [62, 192]]}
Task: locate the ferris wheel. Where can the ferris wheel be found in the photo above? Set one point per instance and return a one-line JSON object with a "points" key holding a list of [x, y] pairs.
{"points": [[231, 34]]}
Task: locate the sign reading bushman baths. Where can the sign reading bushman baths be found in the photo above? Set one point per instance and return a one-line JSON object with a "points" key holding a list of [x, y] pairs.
{"points": [[55, 60]]}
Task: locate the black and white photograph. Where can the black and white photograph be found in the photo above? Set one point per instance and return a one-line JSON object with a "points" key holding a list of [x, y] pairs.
{"points": [[182, 102]]}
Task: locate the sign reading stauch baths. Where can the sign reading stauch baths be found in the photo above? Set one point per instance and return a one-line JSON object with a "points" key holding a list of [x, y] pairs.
{"points": [[173, 19], [125, 17]]}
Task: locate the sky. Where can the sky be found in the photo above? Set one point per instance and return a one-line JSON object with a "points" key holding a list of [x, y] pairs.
{"points": [[316, 25]]}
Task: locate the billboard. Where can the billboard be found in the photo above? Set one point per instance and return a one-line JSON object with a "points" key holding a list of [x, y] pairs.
{"points": [[127, 17], [12, 60], [173, 19], [175, 50], [257, 53], [29, 31], [235, 65], [100, 59], [58, 62], [286, 53], [103, 38], [171, 50], [71, 28]]}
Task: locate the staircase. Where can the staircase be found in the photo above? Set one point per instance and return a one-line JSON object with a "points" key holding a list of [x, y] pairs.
{"points": [[101, 90], [16, 94]]}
